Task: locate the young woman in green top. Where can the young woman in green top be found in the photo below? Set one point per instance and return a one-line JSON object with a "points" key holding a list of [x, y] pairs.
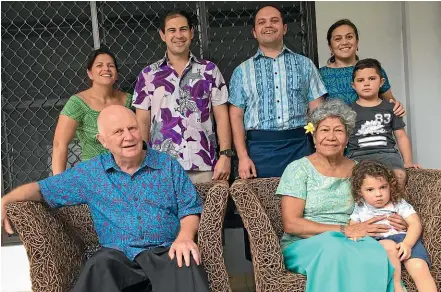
{"points": [[80, 113]]}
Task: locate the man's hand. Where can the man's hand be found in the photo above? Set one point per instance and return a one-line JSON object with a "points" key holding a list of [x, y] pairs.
{"points": [[222, 169], [404, 251], [5, 220], [185, 248], [411, 165], [247, 168], [398, 108], [397, 222]]}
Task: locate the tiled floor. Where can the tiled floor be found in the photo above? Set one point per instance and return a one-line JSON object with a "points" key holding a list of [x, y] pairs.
{"points": [[242, 283], [239, 269]]}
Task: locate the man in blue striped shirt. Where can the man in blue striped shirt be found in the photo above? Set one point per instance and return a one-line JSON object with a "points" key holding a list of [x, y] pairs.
{"points": [[270, 95]]}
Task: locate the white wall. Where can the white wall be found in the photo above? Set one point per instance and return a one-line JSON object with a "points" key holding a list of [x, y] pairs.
{"points": [[423, 49], [405, 38]]}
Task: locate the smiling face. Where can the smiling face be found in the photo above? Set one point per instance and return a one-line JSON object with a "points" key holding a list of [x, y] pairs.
{"points": [[375, 191], [177, 35], [119, 132], [330, 138], [344, 42], [367, 83], [268, 27], [103, 70]]}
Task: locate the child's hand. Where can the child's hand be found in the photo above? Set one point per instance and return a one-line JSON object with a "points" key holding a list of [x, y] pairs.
{"points": [[404, 251]]}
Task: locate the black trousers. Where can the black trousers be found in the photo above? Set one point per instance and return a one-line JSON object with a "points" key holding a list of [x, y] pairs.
{"points": [[110, 270]]}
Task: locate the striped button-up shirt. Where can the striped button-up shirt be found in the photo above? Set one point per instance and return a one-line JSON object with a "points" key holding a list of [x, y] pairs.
{"points": [[275, 93]]}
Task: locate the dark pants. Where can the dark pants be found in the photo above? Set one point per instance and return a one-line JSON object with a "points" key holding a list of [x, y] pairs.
{"points": [[110, 270], [272, 151]]}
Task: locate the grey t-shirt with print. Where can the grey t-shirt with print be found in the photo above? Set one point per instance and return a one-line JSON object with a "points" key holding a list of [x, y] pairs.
{"points": [[374, 127]]}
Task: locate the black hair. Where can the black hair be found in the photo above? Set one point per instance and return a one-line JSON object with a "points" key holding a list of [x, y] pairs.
{"points": [[96, 53], [268, 5], [175, 13], [367, 63], [336, 25]]}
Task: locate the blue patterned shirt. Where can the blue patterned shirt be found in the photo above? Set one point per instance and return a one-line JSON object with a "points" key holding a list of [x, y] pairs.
{"points": [[275, 93], [131, 213], [338, 83]]}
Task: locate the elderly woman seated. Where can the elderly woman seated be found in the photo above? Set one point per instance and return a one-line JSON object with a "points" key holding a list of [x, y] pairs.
{"points": [[316, 204]]}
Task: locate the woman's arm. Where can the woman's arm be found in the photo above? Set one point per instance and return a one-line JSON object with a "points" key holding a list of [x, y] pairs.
{"points": [[294, 223], [64, 133]]}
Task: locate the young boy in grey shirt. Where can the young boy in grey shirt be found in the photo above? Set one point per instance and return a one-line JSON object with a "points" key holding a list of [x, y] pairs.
{"points": [[376, 124]]}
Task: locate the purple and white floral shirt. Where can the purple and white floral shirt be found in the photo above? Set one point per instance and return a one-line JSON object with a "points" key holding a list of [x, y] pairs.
{"points": [[181, 109]]}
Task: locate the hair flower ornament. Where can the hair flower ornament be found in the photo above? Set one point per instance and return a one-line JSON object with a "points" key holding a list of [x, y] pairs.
{"points": [[309, 128]]}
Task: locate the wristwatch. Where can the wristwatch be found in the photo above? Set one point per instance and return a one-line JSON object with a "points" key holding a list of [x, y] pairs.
{"points": [[227, 152]]}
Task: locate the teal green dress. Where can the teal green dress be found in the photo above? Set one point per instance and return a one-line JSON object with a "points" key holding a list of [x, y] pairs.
{"points": [[331, 261], [338, 83]]}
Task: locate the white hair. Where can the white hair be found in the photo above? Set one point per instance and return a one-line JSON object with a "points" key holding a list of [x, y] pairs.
{"points": [[334, 108]]}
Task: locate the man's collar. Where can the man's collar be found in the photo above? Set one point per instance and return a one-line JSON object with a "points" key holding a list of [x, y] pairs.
{"points": [[261, 54], [166, 60], [151, 160]]}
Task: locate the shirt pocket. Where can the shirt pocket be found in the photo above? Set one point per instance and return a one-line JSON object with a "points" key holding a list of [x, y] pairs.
{"points": [[298, 91]]}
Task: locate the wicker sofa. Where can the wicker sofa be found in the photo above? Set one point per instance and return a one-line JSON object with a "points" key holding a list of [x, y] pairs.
{"points": [[260, 211], [59, 241]]}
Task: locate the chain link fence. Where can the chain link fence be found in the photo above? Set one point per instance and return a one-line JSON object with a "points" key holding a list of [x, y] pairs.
{"points": [[44, 47]]}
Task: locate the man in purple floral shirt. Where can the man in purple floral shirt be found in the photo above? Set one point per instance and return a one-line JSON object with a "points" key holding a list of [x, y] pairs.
{"points": [[175, 99]]}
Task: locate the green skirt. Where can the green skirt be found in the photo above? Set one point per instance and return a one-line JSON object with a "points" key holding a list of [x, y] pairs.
{"points": [[333, 263]]}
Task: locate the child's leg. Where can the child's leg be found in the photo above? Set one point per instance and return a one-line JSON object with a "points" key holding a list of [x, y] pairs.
{"points": [[401, 177], [392, 253], [419, 271]]}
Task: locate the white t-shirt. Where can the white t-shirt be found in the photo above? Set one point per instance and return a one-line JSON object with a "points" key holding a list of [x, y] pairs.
{"points": [[365, 212]]}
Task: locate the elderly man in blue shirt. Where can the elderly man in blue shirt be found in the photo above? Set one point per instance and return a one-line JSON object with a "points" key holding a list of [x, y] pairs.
{"points": [[270, 95], [144, 207]]}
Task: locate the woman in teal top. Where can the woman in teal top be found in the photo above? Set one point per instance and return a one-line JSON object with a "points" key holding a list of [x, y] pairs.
{"points": [[316, 204], [80, 113], [343, 40]]}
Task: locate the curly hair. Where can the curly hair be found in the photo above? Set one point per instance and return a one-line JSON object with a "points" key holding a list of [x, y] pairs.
{"points": [[377, 170]]}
